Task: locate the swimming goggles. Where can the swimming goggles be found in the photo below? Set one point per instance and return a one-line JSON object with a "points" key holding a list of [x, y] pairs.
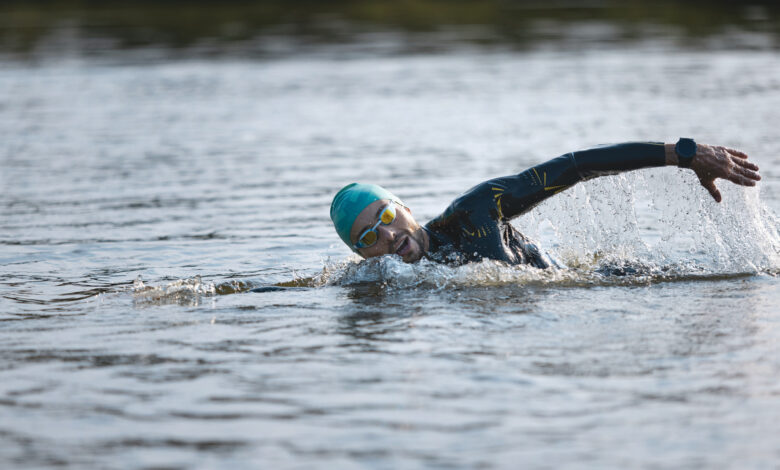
{"points": [[370, 236]]}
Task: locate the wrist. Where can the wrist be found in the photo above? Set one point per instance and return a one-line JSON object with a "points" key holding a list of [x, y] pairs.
{"points": [[671, 155]]}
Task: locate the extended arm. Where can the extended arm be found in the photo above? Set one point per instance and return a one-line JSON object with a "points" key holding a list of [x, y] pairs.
{"points": [[517, 194], [520, 193]]}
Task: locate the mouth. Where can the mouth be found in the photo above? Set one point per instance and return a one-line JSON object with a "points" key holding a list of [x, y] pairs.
{"points": [[404, 247]]}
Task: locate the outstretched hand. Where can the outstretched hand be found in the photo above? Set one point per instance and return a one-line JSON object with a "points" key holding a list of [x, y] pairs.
{"points": [[712, 162]]}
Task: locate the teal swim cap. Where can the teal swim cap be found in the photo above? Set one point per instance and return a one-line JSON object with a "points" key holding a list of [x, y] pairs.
{"points": [[349, 203]]}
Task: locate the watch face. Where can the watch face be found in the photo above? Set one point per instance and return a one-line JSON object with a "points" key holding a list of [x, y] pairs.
{"points": [[686, 148]]}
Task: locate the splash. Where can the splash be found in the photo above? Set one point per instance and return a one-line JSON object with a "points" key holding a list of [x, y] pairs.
{"points": [[661, 218], [192, 291], [391, 272], [183, 292], [629, 229]]}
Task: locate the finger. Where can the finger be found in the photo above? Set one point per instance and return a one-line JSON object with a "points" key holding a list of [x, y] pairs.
{"points": [[710, 186], [744, 171], [736, 152], [741, 180], [745, 163]]}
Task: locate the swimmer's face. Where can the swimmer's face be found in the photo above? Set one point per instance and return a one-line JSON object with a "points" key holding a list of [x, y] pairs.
{"points": [[403, 237]]}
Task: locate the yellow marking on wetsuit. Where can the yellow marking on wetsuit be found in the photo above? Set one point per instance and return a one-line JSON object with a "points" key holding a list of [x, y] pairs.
{"points": [[550, 188], [480, 232], [537, 175], [497, 197], [545, 178]]}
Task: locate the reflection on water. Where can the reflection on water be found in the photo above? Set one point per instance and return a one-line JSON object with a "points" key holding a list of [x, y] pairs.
{"points": [[142, 200]]}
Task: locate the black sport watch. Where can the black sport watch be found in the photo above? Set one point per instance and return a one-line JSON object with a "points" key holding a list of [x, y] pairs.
{"points": [[685, 149]]}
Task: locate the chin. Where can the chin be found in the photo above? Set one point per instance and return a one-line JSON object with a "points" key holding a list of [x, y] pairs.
{"points": [[413, 257], [416, 252]]}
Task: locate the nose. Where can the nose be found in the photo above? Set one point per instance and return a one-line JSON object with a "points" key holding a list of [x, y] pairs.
{"points": [[386, 232]]}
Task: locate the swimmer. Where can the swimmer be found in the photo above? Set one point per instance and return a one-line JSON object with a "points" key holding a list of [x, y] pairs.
{"points": [[374, 222]]}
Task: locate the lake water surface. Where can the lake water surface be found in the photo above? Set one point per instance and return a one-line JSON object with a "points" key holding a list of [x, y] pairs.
{"points": [[144, 193]]}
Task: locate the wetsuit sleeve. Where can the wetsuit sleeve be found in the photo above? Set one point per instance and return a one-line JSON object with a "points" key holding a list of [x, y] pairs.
{"points": [[511, 196]]}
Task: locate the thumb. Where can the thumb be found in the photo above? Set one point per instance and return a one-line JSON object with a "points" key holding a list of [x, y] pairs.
{"points": [[709, 185]]}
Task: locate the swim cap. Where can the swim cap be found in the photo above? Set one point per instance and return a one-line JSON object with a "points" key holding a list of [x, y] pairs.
{"points": [[349, 203]]}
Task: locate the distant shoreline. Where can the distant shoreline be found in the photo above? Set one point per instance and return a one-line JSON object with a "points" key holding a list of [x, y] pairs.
{"points": [[259, 27]]}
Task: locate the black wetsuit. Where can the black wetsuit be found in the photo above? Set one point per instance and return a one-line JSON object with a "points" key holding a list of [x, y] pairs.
{"points": [[476, 224]]}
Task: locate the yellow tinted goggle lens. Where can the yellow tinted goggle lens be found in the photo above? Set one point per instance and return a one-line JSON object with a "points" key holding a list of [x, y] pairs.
{"points": [[368, 239], [388, 216]]}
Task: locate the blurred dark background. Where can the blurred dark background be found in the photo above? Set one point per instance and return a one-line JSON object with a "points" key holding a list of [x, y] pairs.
{"points": [[271, 28]]}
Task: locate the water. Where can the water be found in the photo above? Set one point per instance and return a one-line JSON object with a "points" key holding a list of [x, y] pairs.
{"points": [[143, 197]]}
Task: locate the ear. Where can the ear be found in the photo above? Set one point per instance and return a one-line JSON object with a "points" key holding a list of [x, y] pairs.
{"points": [[407, 209]]}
